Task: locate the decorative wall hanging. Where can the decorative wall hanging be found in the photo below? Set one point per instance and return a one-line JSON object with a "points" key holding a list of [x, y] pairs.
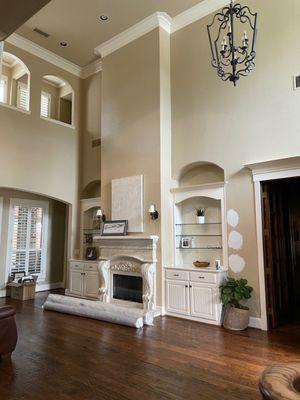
{"points": [[232, 58]]}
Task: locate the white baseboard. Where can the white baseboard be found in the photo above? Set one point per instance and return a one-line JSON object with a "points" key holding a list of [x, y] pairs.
{"points": [[2, 293], [42, 287], [255, 323]]}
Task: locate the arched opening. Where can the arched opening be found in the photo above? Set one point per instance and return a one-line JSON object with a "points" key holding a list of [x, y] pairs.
{"points": [[15, 82], [57, 99], [92, 190], [199, 173]]}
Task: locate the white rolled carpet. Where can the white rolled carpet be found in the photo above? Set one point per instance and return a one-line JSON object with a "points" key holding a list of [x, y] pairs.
{"points": [[108, 312]]}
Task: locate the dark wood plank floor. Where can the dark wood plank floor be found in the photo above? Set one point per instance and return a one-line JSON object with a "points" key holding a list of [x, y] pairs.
{"points": [[66, 357]]}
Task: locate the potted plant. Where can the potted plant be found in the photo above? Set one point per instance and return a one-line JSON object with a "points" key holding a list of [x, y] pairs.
{"points": [[200, 212], [233, 292]]}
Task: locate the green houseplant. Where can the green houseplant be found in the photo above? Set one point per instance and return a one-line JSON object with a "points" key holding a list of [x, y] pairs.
{"points": [[233, 293]]}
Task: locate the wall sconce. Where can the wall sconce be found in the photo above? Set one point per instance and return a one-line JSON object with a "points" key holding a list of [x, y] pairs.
{"points": [[153, 212], [100, 216]]}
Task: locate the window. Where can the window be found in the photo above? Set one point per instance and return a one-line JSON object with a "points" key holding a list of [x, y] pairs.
{"points": [[27, 237], [3, 89], [45, 105], [23, 96]]}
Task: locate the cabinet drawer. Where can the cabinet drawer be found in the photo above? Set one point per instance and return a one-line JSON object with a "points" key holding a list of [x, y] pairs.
{"points": [[178, 275], [76, 266], [203, 277], [91, 267]]}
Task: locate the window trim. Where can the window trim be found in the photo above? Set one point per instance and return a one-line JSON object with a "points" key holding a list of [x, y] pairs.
{"points": [[28, 203], [19, 85], [46, 94], [5, 78]]}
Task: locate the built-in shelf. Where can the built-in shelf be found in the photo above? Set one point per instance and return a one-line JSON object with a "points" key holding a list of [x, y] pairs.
{"points": [[199, 248], [195, 223], [191, 235]]}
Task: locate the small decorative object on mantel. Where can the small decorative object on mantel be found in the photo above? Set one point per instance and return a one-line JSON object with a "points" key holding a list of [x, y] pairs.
{"points": [[200, 212], [233, 291], [229, 58], [114, 228], [201, 264]]}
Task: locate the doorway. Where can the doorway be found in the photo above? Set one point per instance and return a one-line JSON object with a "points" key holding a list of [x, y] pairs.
{"points": [[281, 243]]}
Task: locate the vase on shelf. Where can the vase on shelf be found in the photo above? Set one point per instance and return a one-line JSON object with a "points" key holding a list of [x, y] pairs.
{"points": [[201, 219]]}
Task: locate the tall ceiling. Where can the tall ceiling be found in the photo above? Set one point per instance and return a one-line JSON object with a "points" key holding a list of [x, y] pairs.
{"points": [[77, 23], [10, 20]]}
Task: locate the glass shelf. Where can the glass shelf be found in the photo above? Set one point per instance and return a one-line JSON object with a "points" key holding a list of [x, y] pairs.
{"points": [[199, 248], [191, 235], [195, 223]]}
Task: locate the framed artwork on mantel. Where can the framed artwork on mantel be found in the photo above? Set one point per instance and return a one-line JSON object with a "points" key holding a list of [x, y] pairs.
{"points": [[128, 201]]}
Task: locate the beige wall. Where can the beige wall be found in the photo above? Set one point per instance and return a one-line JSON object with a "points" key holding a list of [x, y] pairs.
{"points": [[131, 124], [55, 262], [258, 120], [91, 130], [36, 155]]}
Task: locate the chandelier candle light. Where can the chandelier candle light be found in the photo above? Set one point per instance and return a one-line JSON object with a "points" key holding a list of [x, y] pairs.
{"points": [[230, 59]]}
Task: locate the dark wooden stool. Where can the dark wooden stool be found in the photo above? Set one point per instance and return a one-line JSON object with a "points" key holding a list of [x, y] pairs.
{"points": [[281, 381]]}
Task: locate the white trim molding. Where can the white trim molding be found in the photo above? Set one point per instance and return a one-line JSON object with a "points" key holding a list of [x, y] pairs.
{"points": [[42, 287], [154, 21], [41, 52], [265, 171], [255, 323], [52, 58], [197, 12]]}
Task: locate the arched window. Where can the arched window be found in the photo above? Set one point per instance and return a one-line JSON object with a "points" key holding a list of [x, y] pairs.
{"points": [[57, 99], [15, 82]]}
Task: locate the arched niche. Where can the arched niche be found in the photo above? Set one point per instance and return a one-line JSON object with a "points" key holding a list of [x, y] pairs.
{"points": [[92, 190], [57, 99], [15, 82], [199, 173]]}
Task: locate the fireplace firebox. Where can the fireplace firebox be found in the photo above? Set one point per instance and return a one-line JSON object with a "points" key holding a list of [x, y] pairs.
{"points": [[127, 287]]}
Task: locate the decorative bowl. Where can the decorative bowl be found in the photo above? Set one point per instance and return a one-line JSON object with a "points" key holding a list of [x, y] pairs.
{"points": [[201, 264]]}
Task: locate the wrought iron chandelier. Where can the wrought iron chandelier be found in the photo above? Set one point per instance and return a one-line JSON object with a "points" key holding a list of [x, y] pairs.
{"points": [[229, 58]]}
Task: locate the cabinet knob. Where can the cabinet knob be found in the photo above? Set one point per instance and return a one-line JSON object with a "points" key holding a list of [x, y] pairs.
{"points": [[201, 277], [186, 286], [176, 275]]}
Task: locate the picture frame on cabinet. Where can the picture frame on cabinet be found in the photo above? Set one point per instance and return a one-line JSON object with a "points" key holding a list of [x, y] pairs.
{"points": [[91, 253]]}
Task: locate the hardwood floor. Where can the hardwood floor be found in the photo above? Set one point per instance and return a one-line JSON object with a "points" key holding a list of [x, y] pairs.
{"points": [[65, 357]]}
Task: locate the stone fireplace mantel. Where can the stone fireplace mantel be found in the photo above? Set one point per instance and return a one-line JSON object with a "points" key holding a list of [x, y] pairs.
{"points": [[133, 256]]}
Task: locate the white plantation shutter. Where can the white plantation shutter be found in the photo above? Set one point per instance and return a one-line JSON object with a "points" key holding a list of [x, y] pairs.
{"points": [[23, 96], [45, 104], [3, 89], [28, 231]]}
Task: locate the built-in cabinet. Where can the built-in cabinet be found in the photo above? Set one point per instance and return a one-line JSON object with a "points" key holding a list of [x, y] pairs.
{"points": [[194, 294], [83, 279]]}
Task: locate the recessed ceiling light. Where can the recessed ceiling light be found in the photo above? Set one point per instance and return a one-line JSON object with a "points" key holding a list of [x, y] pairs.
{"points": [[63, 44], [104, 18]]}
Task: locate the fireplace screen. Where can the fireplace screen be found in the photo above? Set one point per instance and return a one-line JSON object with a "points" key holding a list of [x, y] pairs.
{"points": [[128, 288]]}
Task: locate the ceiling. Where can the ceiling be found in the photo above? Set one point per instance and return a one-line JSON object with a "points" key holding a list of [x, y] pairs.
{"points": [[10, 20], [77, 23]]}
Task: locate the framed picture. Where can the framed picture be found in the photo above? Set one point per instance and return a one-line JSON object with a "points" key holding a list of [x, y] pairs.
{"points": [[114, 228], [91, 253], [17, 276], [185, 243]]}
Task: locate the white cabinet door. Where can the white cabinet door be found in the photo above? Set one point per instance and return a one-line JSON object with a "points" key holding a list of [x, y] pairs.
{"points": [[91, 284], [178, 297], [203, 301], [76, 282]]}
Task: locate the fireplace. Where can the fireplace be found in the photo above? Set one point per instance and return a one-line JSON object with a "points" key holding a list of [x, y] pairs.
{"points": [[127, 287]]}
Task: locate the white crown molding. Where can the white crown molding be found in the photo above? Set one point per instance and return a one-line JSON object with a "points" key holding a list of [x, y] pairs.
{"points": [[91, 69], [155, 20], [49, 56], [197, 12], [160, 19], [46, 55]]}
